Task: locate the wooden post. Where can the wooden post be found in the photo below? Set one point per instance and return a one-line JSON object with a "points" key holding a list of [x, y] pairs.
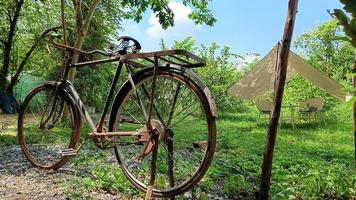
{"points": [[281, 79], [354, 105]]}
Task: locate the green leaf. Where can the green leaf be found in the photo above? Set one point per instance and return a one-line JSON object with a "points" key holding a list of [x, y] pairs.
{"points": [[344, 21], [341, 16], [350, 103], [343, 38], [350, 75], [350, 6], [353, 89]]}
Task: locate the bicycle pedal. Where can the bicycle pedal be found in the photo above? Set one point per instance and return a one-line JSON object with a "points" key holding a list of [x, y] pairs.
{"points": [[68, 152]]}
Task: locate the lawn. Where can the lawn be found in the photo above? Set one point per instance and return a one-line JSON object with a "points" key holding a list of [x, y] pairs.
{"points": [[311, 161]]}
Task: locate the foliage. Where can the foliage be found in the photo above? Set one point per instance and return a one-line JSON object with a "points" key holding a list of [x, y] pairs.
{"points": [[324, 51], [105, 25], [22, 23], [200, 14], [220, 72], [349, 24], [37, 16]]}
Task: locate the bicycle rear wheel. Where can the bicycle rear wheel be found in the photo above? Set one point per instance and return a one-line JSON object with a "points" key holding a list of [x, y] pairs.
{"points": [[187, 145], [42, 132]]}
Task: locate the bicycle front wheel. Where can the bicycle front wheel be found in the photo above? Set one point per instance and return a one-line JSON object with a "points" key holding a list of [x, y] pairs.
{"points": [[43, 132], [187, 144]]}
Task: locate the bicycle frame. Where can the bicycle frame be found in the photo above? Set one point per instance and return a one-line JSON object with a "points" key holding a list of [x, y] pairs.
{"points": [[170, 57], [71, 91], [150, 133], [97, 128]]}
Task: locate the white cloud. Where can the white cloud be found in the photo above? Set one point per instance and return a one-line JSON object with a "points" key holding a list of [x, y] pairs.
{"points": [[183, 25], [248, 59], [181, 11]]}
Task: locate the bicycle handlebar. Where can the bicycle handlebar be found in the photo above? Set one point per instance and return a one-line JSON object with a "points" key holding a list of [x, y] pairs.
{"points": [[73, 49]]}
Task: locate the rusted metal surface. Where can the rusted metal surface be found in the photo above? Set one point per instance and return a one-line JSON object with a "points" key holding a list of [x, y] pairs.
{"points": [[149, 193], [153, 132], [113, 134], [168, 57], [177, 57], [153, 92], [158, 130], [169, 143]]}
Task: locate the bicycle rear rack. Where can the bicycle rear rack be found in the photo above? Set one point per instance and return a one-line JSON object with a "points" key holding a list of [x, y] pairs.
{"points": [[167, 58]]}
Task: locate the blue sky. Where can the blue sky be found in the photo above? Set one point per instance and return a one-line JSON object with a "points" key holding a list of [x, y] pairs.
{"points": [[245, 26]]}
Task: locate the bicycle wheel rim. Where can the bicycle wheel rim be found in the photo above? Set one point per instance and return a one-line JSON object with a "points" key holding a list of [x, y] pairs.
{"points": [[42, 146], [210, 137]]}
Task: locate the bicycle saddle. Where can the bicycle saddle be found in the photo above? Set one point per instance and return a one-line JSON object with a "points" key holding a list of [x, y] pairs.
{"points": [[125, 43]]}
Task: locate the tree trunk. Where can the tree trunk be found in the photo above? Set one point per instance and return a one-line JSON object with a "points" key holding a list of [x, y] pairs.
{"points": [[82, 30], [24, 61], [19, 70], [281, 78], [8, 44]]}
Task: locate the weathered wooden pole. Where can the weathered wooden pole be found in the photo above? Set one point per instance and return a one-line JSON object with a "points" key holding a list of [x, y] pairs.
{"points": [[280, 82], [354, 105]]}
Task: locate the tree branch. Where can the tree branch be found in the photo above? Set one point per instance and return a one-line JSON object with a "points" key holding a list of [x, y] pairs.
{"points": [[78, 13], [90, 16], [24, 61], [8, 44], [8, 13]]}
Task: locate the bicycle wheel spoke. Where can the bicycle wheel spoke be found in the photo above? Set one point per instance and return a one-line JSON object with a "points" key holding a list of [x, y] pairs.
{"points": [[168, 148], [176, 104], [140, 103], [135, 118], [154, 105], [42, 136], [187, 115]]}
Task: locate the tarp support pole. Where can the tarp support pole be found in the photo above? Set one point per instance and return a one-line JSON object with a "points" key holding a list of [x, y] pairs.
{"points": [[354, 105], [281, 79]]}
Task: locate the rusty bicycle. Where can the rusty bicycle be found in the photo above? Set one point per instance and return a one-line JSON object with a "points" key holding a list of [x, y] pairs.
{"points": [[161, 122]]}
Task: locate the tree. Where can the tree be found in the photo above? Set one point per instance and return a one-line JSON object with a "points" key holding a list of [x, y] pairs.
{"points": [[322, 49], [23, 25], [201, 14], [12, 12], [325, 52], [220, 72], [349, 26], [23, 22], [19, 37]]}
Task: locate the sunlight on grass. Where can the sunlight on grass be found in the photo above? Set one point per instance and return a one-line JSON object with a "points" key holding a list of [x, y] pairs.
{"points": [[311, 161]]}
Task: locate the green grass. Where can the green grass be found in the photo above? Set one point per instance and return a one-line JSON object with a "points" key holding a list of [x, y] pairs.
{"points": [[311, 162]]}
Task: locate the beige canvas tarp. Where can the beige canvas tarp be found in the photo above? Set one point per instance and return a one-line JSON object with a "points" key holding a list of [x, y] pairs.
{"points": [[259, 80]]}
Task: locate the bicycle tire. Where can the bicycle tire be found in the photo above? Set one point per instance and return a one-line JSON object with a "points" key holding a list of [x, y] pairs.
{"points": [[47, 140], [183, 77]]}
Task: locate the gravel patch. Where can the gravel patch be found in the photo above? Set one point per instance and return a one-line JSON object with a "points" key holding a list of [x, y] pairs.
{"points": [[19, 180]]}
